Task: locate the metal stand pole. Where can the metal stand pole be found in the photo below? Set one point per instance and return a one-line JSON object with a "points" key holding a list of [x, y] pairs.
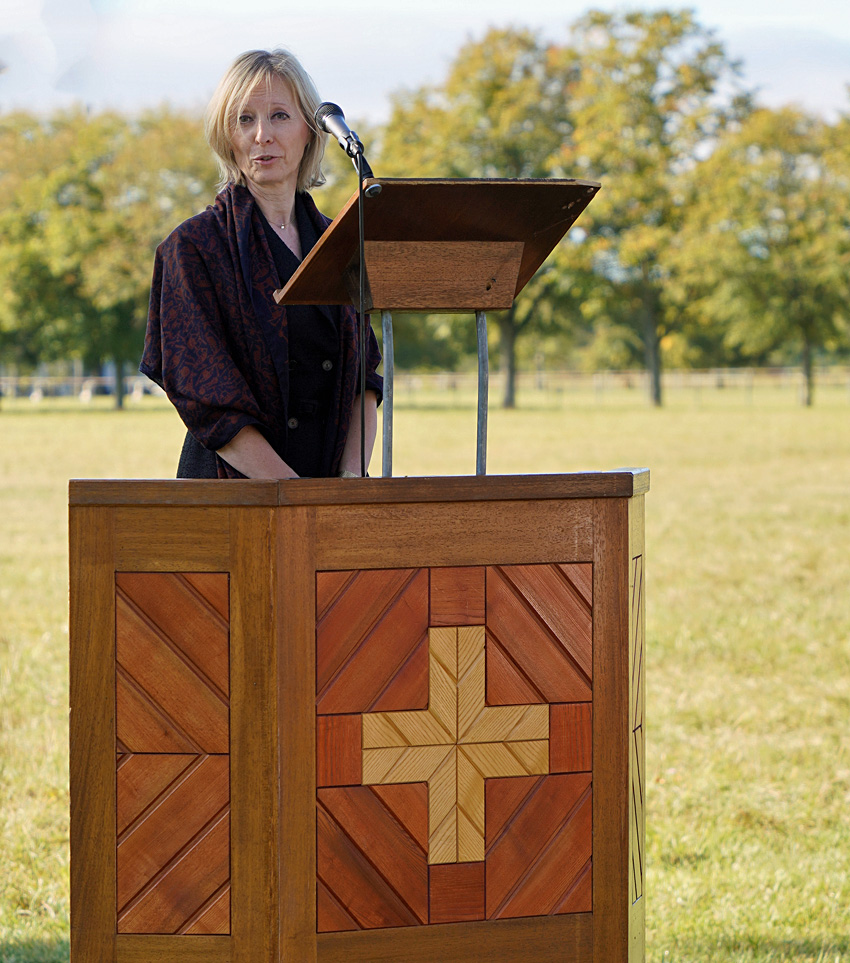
{"points": [[483, 386], [387, 454]]}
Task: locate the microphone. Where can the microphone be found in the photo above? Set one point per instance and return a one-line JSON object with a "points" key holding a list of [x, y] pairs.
{"points": [[331, 120]]}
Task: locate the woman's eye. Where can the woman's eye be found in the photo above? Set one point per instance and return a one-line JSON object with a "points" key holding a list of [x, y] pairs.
{"points": [[245, 118], [281, 115]]}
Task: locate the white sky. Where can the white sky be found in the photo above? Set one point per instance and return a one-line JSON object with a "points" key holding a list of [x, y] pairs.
{"points": [[135, 53]]}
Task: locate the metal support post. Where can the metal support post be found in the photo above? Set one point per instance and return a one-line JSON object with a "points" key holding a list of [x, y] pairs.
{"points": [[483, 388], [387, 453]]}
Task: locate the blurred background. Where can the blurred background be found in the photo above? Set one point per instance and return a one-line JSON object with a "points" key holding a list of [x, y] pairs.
{"points": [[720, 134]]}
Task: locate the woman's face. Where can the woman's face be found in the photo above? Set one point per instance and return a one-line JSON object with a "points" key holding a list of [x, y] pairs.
{"points": [[270, 137]]}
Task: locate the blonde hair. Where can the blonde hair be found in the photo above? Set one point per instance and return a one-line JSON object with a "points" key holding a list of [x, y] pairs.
{"points": [[246, 72]]}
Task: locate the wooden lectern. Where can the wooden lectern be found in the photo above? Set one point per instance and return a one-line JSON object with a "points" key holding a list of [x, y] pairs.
{"points": [[439, 246], [394, 720], [373, 721]]}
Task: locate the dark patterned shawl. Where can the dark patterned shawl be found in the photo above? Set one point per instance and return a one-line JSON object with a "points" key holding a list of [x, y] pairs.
{"points": [[217, 342]]}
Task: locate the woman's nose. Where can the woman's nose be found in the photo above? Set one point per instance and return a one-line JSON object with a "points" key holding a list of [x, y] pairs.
{"points": [[264, 131]]}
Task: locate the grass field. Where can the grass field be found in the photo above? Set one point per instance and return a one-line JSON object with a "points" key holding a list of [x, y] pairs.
{"points": [[748, 553]]}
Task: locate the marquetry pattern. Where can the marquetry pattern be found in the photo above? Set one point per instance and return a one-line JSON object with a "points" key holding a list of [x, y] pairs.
{"points": [[455, 744], [638, 740], [172, 736], [473, 799], [372, 640]]}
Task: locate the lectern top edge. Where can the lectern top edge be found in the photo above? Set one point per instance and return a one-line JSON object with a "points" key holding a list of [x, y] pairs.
{"points": [[622, 483]]}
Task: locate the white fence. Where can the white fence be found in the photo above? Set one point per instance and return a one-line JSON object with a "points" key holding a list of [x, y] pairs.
{"points": [[741, 385]]}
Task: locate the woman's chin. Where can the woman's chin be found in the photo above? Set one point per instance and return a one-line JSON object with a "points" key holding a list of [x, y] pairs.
{"points": [[269, 179]]}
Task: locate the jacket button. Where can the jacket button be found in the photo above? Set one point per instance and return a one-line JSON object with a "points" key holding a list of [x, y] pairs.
{"points": [[292, 423], [327, 365]]}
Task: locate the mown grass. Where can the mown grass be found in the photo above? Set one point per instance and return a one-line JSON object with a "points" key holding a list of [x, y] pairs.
{"points": [[748, 756]]}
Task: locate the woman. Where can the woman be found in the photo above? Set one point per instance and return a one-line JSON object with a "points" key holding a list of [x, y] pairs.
{"points": [[265, 391]]}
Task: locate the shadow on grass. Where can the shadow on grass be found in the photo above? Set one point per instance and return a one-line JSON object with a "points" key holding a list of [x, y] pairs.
{"points": [[51, 950]]}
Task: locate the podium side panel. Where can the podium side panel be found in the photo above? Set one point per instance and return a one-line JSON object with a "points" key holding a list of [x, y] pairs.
{"points": [[295, 703], [254, 773], [637, 728], [92, 735], [611, 733]]}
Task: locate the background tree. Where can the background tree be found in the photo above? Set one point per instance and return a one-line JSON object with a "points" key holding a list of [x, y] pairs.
{"points": [[764, 254], [39, 308], [102, 192], [650, 94], [501, 112]]}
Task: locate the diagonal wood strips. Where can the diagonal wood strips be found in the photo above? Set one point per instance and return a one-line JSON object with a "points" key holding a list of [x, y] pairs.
{"points": [[371, 640], [173, 771], [457, 677], [172, 651], [539, 633]]}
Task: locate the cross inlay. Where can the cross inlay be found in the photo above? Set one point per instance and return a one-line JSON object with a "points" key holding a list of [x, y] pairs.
{"points": [[455, 744]]}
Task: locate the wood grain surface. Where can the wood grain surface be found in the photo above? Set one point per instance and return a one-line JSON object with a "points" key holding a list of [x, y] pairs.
{"points": [[621, 483], [455, 744], [371, 641], [92, 735], [457, 893], [541, 847], [172, 539], [562, 583], [542, 626], [174, 949], [536, 213], [542, 940], [513, 532], [441, 276], [295, 630], [571, 737], [611, 669], [457, 596], [339, 750], [254, 747], [637, 708], [174, 829], [172, 654]]}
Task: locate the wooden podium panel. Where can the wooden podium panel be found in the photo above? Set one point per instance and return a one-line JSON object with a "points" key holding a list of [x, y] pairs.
{"points": [[374, 720]]}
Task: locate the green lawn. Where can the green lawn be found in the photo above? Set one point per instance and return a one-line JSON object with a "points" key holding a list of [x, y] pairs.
{"points": [[748, 553]]}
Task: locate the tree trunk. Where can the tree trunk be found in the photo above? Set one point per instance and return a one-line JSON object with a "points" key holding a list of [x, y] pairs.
{"points": [[808, 373], [507, 347], [119, 384], [652, 353]]}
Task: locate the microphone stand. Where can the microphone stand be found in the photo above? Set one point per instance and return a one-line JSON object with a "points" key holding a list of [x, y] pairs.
{"points": [[361, 165], [330, 118]]}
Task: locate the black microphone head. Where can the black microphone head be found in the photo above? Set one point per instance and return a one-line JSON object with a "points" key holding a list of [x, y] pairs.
{"points": [[325, 110]]}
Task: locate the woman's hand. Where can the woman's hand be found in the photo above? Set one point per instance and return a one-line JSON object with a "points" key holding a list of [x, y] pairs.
{"points": [[249, 452], [351, 453]]}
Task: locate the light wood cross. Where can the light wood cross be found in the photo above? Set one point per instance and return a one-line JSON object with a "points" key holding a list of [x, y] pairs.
{"points": [[455, 744]]}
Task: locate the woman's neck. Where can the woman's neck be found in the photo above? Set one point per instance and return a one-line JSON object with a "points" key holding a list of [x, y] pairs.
{"points": [[278, 208]]}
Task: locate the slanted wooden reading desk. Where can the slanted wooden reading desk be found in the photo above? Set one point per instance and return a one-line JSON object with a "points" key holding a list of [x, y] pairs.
{"points": [[352, 721]]}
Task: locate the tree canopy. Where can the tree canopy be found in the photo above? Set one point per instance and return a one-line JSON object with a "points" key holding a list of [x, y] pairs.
{"points": [[721, 234], [81, 219]]}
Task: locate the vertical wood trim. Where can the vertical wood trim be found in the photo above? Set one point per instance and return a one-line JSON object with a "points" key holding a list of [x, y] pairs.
{"points": [[637, 549], [296, 641], [253, 739], [92, 735], [611, 782]]}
